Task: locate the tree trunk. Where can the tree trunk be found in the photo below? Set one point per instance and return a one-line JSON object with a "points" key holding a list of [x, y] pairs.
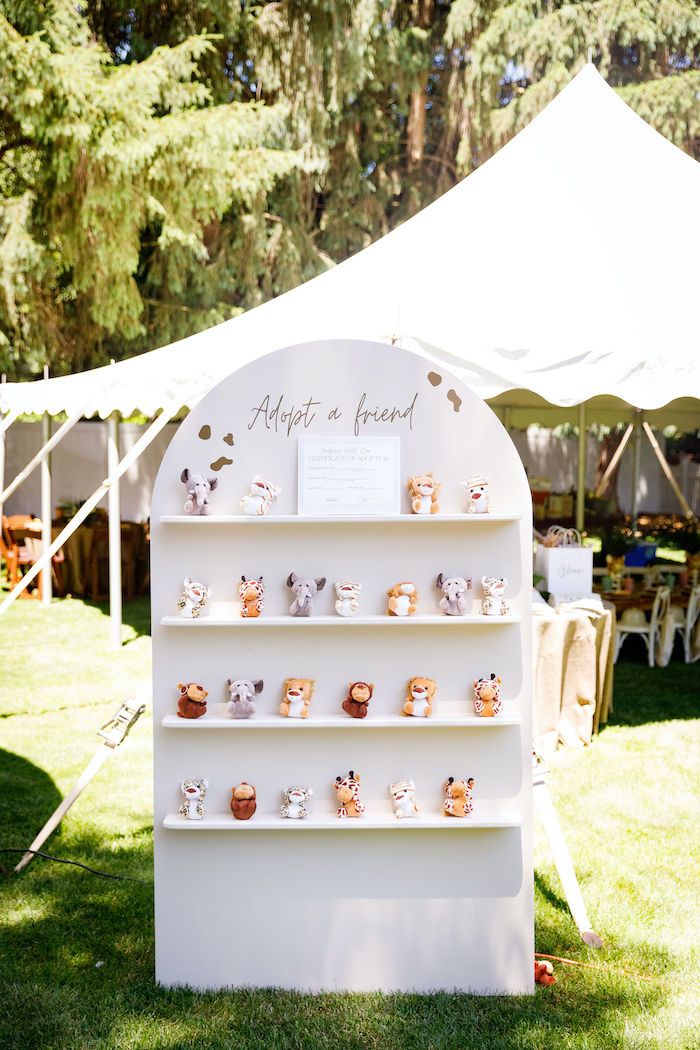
{"points": [[416, 110]]}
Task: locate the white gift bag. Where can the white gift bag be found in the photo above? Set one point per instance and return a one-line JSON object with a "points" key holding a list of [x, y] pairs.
{"points": [[566, 566]]}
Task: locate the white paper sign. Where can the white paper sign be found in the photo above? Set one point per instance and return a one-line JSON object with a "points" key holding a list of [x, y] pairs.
{"points": [[349, 475]]}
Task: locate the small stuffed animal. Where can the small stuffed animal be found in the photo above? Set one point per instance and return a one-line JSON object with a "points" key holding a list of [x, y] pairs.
{"points": [[194, 791], [193, 599], [252, 595], [261, 496], [305, 589], [423, 492], [294, 802], [403, 599], [420, 696], [242, 693], [348, 595], [458, 797], [193, 700], [198, 488], [492, 603], [243, 802], [544, 972], [356, 703], [487, 696], [478, 501], [454, 594], [347, 790], [403, 794], [296, 698]]}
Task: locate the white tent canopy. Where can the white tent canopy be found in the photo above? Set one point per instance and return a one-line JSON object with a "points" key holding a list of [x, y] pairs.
{"points": [[564, 269]]}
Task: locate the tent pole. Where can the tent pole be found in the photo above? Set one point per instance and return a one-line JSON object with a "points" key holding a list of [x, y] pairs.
{"points": [[665, 466], [115, 533], [44, 451], [612, 465], [581, 474], [636, 467], [45, 585], [89, 505], [3, 380]]}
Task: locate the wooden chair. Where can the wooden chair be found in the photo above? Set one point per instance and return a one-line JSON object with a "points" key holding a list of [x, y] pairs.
{"points": [[633, 621], [98, 564], [21, 547]]}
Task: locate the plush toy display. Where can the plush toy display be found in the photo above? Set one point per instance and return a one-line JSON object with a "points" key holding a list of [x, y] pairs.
{"points": [[347, 790], [294, 802], [403, 794], [296, 698], [348, 598], [242, 693], [423, 491], [252, 595], [193, 700], [403, 599], [305, 589], [198, 488], [261, 496], [194, 791], [492, 603], [419, 698], [454, 594], [243, 803], [487, 696], [478, 501], [193, 599], [458, 797], [356, 703]]}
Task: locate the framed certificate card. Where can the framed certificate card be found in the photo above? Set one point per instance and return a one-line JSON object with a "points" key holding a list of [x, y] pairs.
{"points": [[349, 476]]}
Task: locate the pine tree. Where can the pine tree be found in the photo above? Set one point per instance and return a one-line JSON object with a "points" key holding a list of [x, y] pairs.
{"points": [[166, 165]]}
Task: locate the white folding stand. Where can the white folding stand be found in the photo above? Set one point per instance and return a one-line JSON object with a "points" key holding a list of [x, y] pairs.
{"points": [[359, 904]]}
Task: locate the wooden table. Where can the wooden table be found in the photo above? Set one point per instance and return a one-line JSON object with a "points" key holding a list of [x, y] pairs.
{"points": [[642, 599]]}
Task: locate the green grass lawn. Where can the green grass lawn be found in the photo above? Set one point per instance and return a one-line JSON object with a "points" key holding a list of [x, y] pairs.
{"points": [[76, 951]]}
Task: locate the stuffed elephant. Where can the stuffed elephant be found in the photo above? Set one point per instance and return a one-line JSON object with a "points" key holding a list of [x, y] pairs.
{"points": [[242, 692], [305, 589], [198, 488], [454, 594]]}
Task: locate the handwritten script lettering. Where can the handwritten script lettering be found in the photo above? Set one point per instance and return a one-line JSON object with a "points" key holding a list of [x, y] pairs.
{"points": [[277, 415]]}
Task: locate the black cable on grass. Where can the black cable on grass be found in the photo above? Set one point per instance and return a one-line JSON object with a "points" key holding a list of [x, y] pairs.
{"points": [[77, 863]]}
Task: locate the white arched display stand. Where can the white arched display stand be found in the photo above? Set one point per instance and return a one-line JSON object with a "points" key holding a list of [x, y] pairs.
{"points": [[325, 904]]}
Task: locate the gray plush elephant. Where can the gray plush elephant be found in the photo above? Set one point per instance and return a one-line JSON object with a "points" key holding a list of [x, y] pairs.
{"points": [[198, 488], [242, 692], [454, 594], [305, 589]]}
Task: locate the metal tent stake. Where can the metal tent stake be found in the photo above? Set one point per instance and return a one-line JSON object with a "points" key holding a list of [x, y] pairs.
{"points": [[113, 733], [560, 852]]}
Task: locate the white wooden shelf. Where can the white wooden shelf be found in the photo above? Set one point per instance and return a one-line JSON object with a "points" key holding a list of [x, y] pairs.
{"points": [[339, 721], [268, 520], [227, 614], [383, 821]]}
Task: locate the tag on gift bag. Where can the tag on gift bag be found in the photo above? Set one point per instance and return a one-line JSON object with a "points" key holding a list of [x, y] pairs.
{"points": [[567, 566]]}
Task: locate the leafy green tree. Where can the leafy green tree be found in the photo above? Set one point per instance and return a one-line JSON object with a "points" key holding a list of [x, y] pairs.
{"points": [[167, 164]]}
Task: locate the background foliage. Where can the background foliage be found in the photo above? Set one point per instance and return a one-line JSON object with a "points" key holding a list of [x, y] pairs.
{"points": [[166, 164]]}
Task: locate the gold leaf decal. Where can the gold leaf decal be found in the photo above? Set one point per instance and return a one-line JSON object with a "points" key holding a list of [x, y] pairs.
{"points": [[434, 378], [229, 439], [222, 461], [205, 432], [455, 399]]}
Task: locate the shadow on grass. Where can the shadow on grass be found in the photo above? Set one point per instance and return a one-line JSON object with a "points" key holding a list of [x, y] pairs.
{"points": [[77, 955], [645, 694], [28, 797], [136, 614]]}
